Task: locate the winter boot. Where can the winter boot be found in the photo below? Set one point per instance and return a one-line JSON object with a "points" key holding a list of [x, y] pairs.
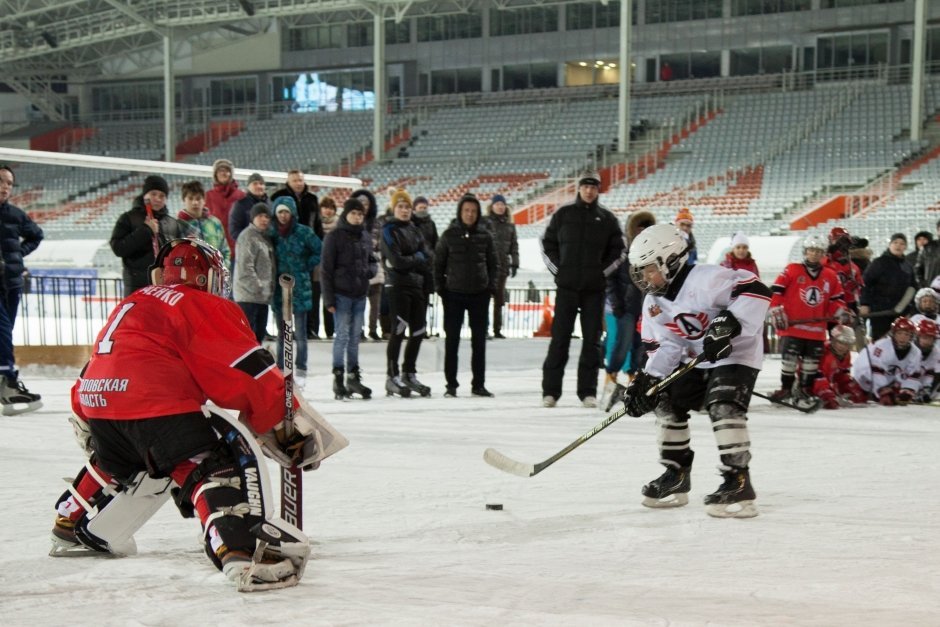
{"points": [[354, 384], [394, 386], [339, 389], [671, 489], [15, 398], [735, 497], [411, 380]]}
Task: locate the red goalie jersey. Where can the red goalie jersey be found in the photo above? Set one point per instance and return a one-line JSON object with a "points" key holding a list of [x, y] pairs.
{"points": [[167, 350], [806, 298]]}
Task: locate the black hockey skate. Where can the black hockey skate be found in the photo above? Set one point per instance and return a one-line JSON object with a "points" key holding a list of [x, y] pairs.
{"points": [[15, 398], [394, 386], [354, 385], [734, 498], [411, 380], [339, 389], [671, 489]]}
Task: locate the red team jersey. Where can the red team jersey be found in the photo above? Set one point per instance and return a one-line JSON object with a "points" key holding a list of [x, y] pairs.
{"points": [[804, 297], [850, 276], [167, 350]]}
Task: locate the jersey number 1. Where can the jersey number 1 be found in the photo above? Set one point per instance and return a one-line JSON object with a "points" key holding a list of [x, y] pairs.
{"points": [[106, 343]]}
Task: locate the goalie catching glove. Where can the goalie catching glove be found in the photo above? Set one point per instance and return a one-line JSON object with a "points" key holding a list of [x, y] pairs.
{"points": [[635, 399], [717, 342]]}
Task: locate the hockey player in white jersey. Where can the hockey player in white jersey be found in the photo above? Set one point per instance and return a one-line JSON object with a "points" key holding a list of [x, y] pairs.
{"points": [[889, 369], [688, 311], [927, 333]]}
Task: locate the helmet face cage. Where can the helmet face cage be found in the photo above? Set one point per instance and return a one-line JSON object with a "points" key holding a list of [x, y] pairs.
{"points": [[839, 237], [661, 246], [197, 264]]}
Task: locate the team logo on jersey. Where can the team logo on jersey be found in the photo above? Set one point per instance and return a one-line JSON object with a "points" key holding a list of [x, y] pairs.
{"points": [[689, 326], [811, 295], [655, 310]]}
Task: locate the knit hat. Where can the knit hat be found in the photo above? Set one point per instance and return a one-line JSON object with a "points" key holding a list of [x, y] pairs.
{"points": [[590, 177], [684, 215], [287, 202], [255, 177], [328, 202], [155, 182], [497, 198], [221, 163], [900, 236], [421, 200], [353, 204], [400, 195], [740, 239], [259, 209]]}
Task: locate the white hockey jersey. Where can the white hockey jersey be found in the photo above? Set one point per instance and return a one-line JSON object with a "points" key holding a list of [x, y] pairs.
{"points": [[674, 324], [930, 370], [878, 366]]}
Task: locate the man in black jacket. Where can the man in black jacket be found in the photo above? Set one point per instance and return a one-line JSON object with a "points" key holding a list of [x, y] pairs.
{"points": [[886, 280], [140, 232], [465, 274], [582, 246], [240, 216], [928, 261], [19, 236]]}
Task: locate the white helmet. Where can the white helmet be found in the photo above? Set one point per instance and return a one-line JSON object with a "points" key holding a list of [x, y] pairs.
{"points": [[842, 333], [663, 246], [935, 284], [814, 241], [930, 307]]}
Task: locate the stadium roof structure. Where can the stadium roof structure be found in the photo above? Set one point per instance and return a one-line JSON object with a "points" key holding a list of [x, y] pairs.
{"points": [[50, 36]]}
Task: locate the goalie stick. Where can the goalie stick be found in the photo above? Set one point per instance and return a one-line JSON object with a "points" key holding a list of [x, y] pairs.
{"points": [[291, 478], [521, 469]]}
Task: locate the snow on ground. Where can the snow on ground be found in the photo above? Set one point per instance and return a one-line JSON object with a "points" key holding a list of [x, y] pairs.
{"points": [[847, 534]]}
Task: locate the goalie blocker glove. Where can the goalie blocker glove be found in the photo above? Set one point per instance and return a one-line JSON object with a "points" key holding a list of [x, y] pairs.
{"points": [[635, 400], [717, 341]]}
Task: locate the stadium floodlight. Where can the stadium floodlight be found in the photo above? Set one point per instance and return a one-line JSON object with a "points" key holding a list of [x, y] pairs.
{"points": [[18, 155]]}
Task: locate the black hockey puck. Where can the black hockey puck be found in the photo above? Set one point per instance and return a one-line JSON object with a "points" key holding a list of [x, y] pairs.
{"points": [[494, 506]]}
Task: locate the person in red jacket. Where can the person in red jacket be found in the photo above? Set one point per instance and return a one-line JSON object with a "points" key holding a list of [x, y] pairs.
{"points": [[835, 386], [805, 296], [223, 195], [739, 257], [165, 351]]}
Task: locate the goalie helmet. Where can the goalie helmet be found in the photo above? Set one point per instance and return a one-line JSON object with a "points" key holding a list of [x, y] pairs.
{"points": [[662, 246], [926, 301], [190, 262]]}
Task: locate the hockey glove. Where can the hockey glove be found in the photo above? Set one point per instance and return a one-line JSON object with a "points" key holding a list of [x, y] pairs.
{"points": [[290, 450], [779, 318], [82, 434], [717, 342], [904, 397], [635, 400]]}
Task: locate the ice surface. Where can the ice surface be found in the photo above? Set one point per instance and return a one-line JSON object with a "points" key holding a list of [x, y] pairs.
{"points": [[847, 535]]}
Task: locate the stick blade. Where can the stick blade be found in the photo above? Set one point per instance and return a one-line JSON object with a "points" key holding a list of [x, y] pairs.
{"points": [[499, 461]]}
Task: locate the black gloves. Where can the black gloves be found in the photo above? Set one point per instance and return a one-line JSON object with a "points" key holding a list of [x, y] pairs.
{"points": [[513, 270], [717, 342], [635, 400]]}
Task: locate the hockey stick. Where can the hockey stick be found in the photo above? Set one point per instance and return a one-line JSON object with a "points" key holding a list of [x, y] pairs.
{"points": [[291, 478], [901, 306], [805, 410], [499, 461]]}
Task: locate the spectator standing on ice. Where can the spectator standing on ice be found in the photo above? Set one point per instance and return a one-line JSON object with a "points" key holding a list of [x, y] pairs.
{"points": [[139, 232], [928, 261], [377, 283], [465, 275], [507, 252], [240, 215], [886, 280], [582, 246], [197, 223], [329, 222], [255, 271], [223, 195], [19, 236]]}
